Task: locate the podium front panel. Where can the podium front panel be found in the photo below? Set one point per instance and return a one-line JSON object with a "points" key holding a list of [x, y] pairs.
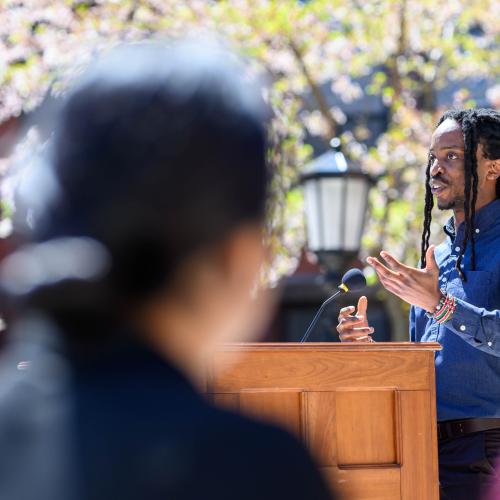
{"points": [[366, 411]]}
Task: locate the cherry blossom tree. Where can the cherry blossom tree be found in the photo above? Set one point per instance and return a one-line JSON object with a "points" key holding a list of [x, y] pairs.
{"points": [[408, 50]]}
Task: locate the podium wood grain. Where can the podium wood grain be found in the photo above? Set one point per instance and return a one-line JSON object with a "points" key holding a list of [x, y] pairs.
{"points": [[366, 411]]}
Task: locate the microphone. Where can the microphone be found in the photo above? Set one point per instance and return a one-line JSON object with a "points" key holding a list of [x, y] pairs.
{"points": [[352, 280]]}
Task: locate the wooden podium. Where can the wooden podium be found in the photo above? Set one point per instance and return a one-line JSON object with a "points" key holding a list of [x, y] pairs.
{"points": [[366, 411]]}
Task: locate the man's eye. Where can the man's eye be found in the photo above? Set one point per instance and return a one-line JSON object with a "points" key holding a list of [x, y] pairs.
{"points": [[452, 156], [431, 157]]}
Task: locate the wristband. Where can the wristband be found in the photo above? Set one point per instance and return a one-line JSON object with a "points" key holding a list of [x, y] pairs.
{"points": [[445, 309]]}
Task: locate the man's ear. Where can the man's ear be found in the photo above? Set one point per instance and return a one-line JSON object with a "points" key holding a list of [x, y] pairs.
{"points": [[493, 170]]}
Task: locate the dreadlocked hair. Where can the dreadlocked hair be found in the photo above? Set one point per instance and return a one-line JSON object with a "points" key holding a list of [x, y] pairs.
{"points": [[479, 126]]}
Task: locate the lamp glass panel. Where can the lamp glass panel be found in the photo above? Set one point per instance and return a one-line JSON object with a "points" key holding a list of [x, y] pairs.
{"points": [[332, 212], [312, 203], [356, 200]]}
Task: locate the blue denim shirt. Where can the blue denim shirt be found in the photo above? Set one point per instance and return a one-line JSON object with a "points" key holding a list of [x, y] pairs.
{"points": [[468, 366]]}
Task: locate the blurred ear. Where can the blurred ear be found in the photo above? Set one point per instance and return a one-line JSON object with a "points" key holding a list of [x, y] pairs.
{"points": [[227, 270]]}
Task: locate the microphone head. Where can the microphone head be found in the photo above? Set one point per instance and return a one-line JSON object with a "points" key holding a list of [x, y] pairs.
{"points": [[353, 280]]}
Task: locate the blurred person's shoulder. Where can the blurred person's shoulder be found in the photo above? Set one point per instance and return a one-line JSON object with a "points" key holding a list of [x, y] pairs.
{"points": [[267, 460], [35, 416], [217, 452], [151, 410], [142, 420], [138, 429]]}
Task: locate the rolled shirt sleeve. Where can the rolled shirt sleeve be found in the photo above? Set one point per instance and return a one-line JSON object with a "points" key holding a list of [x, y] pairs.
{"points": [[477, 326]]}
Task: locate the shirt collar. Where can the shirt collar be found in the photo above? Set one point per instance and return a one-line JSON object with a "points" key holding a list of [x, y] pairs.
{"points": [[484, 219], [449, 228]]}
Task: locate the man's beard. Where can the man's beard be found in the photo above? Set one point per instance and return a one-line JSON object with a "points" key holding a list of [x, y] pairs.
{"points": [[451, 204]]}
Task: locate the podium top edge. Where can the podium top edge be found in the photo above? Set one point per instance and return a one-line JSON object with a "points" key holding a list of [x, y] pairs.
{"points": [[331, 346]]}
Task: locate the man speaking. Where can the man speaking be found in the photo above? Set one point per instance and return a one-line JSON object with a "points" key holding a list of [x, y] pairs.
{"points": [[455, 297]]}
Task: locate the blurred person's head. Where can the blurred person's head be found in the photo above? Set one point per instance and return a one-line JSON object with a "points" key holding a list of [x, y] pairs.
{"points": [[463, 172], [150, 211]]}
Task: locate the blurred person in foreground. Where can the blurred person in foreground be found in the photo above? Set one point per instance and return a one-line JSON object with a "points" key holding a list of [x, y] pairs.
{"points": [[455, 297], [146, 245]]}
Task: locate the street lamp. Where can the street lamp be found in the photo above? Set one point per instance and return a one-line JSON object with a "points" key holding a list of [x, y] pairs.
{"points": [[336, 198]]}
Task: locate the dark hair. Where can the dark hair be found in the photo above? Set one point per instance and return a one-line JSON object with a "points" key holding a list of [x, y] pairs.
{"points": [[479, 126], [158, 152]]}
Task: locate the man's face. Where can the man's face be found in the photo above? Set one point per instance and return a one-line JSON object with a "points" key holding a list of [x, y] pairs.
{"points": [[447, 169], [447, 165]]}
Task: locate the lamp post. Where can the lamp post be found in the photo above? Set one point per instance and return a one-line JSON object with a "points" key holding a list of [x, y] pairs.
{"points": [[336, 199]]}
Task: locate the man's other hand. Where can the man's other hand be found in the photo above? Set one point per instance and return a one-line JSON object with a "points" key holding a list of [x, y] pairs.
{"points": [[353, 325]]}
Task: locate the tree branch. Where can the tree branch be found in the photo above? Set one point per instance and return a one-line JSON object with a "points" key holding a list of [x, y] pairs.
{"points": [[316, 91]]}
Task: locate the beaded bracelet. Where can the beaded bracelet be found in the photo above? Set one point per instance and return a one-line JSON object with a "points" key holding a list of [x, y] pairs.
{"points": [[445, 309]]}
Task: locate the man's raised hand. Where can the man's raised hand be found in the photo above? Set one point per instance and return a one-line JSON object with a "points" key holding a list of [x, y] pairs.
{"points": [[418, 287], [355, 327]]}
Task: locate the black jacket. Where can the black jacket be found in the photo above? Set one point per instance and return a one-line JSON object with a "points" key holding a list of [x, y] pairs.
{"points": [[126, 425]]}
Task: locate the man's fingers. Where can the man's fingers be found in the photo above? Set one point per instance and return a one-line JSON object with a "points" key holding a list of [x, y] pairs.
{"points": [[352, 319], [430, 259], [392, 287], [345, 311], [362, 306], [356, 333], [379, 267], [350, 322], [389, 281], [388, 277], [389, 284], [364, 329], [348, 326], [393, 262]]}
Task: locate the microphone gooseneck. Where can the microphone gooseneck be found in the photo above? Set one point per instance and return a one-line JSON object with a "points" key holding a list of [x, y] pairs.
{"points": [[353, 280]]}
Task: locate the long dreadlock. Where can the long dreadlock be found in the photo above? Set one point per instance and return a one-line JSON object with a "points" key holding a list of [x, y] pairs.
{"points": [[479, 126]]}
